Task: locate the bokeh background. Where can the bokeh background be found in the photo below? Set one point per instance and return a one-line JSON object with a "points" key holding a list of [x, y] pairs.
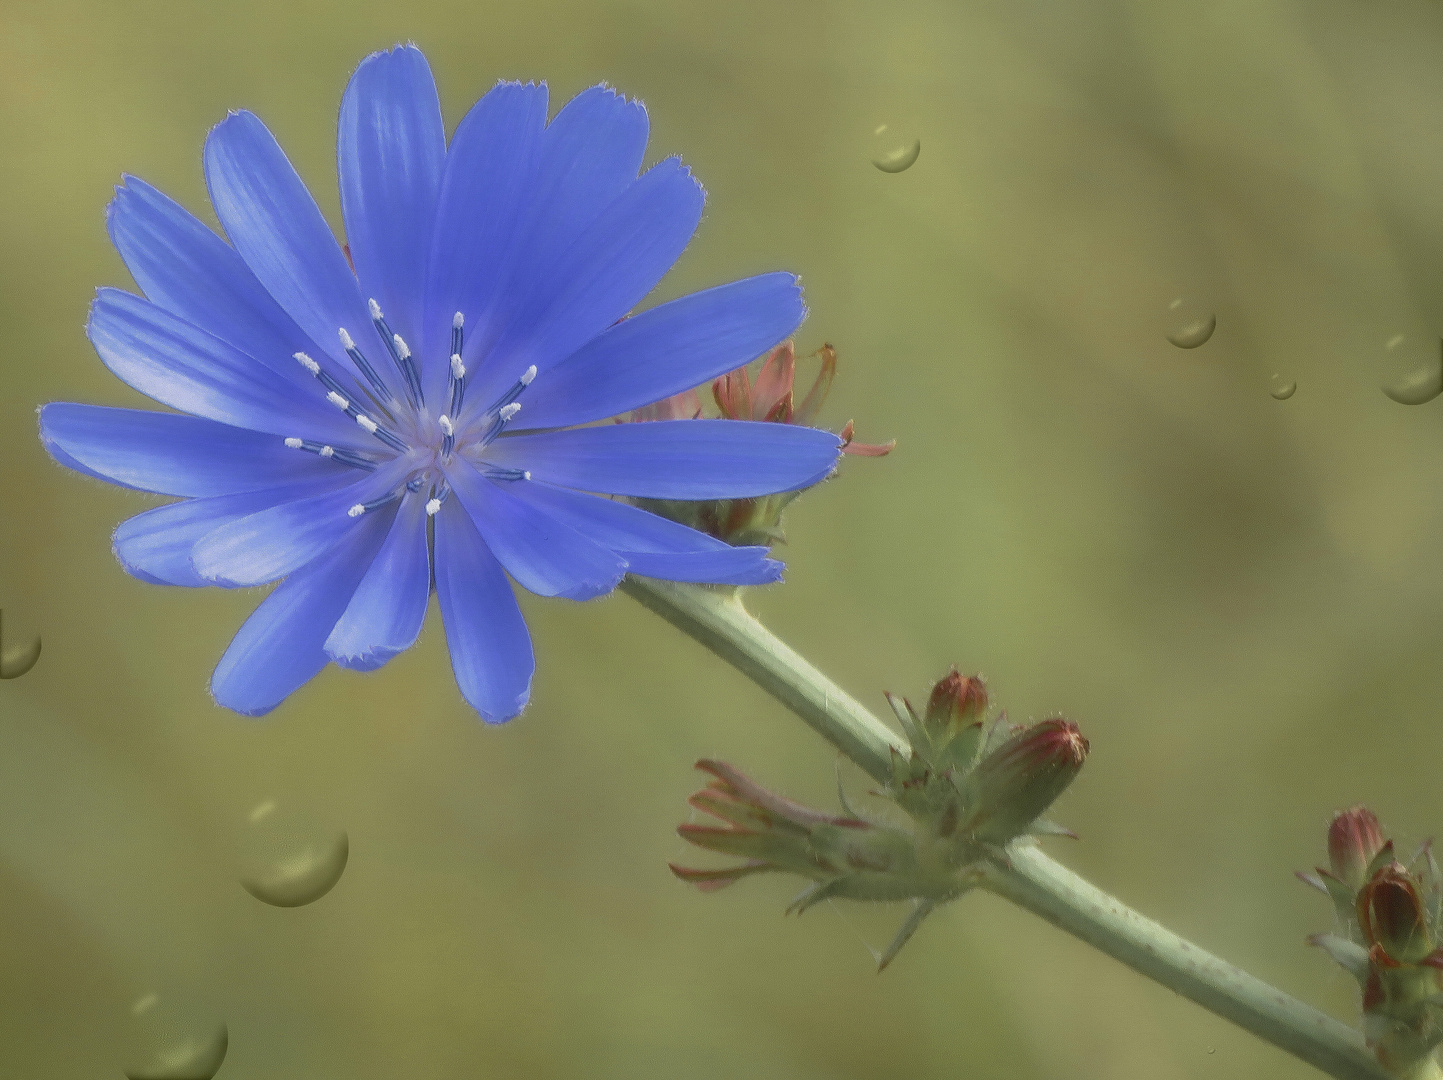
{"points": [[1240, 599]]}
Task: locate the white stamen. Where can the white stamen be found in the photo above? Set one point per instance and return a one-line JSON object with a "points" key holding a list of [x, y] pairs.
{"points": [[432, 507], [338, 401], [347, 342], [375, 309], [508, 411], [457, 321], [307, 363], [356, 511], [528, 375], [366, 423], [446, 426], [401, 347], [327, 451], [526, 474], [458, 369], [294, 444]]}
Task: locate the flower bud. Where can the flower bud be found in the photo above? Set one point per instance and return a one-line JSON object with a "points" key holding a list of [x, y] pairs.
{"points": [[1390, 912], [1015, 783], [1354, 838], [956, 701]]}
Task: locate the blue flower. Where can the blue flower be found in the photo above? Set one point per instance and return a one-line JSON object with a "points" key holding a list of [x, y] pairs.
{"points": [[416, 411]]}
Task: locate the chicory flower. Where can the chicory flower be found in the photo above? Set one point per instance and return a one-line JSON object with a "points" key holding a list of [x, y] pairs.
{"points": [[416, 410]]}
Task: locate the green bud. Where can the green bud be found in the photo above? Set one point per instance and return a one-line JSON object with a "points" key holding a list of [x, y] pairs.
{"points": [[1015, 783], [1391, 914]]}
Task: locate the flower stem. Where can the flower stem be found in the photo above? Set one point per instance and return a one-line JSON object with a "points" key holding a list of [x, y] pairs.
{"points": [[717, 619]]}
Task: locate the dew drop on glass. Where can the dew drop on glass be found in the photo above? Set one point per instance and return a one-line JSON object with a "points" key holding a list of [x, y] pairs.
{"points": [[291, 859], [893, 152], [1189, 325], [172, 1043], [1282, 388], [1420, 377]]}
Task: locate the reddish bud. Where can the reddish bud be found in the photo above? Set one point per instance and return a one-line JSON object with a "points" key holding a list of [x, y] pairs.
{"points": [[957, 700], [1390, 912], [1354, 837], [1023, 777]]}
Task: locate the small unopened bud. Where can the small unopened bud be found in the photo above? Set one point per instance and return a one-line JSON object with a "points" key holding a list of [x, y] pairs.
{"points": [[956, 701], [1354, 838], [1390, 911], [1017, 782]]}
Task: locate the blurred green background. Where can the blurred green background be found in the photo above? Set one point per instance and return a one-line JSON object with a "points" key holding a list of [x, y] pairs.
{"points": [[1239, 599]]}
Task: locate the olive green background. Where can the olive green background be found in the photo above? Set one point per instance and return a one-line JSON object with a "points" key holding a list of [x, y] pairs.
{"points": [[1239, 599]]}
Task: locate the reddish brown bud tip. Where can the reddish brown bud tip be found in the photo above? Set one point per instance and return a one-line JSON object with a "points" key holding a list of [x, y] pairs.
{"points": [[957, 700], [1354, 838], [1390, 912]]}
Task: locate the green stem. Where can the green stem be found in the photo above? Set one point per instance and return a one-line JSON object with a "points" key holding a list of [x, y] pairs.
{"points": [[717, 619]]}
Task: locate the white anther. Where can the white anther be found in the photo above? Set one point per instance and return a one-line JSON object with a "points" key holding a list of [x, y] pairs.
{"points": [[356, 511], [447, 428], [338, 401], [528, 375], [526, 474], [401, 347], [327, 451], [347, 342], [508, 411], [458, 369], [307, 363], [375, 309], [432, 506], [294, 444], [366, 423], [457, 321]]}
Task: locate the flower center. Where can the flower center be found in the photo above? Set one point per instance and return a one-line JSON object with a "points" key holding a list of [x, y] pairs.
{"points": [[405, 426]]}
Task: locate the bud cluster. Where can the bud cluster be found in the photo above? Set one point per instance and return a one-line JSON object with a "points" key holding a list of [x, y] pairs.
{"points": [[968, 788], [1390, 916], [770, 398]]}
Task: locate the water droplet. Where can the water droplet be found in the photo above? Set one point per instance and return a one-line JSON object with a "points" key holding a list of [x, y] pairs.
{"points": [[16, 662], [893, 153], [291, 858], [172, 1043], [1212, 1049], [1282, 388], [1422, 378], [1189, 325]]}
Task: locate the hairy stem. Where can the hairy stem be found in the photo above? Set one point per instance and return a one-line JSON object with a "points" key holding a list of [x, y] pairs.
{"points": [[717, 619]]}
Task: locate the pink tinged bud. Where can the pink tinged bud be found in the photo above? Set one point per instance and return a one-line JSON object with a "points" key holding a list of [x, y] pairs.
{"points": [[957, 700], [1354, 838], [733, 393], [772, 395], [1015, 783], [1390, 912], [683, 406]]}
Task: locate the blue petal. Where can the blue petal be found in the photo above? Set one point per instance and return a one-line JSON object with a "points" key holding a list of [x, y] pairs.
{"points": [[605, 272], [276, 226], [174, 455], [192, 273], [391, 149], [542, 554], [484, 196], [156, 546], [736, 566], [182, 366], [385, 616], [666, 350], [652, 545], [280, 646], [490, 647], [675, 459], [273, 542]]}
